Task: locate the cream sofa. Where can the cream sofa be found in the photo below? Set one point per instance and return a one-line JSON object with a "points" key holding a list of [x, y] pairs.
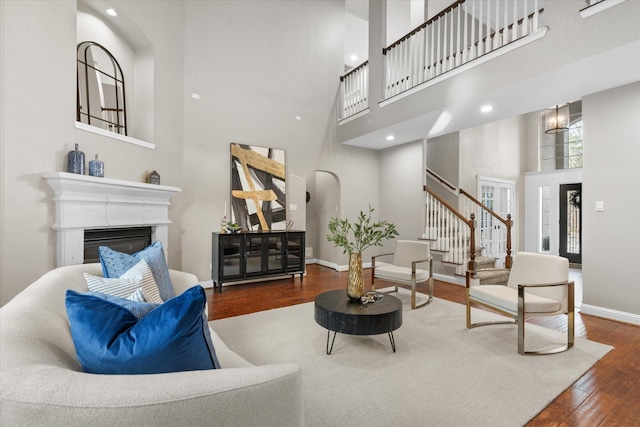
{"points": [[41, 382]]}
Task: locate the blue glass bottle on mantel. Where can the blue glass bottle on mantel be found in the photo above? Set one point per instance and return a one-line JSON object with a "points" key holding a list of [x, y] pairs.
{"points": [[76, 161], [96, 167]]}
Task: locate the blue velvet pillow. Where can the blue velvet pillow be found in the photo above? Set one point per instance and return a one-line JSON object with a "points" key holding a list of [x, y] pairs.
{"points": [[115, 264], [171, 338]]}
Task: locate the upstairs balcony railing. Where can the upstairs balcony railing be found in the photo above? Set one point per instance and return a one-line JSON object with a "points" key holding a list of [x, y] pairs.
{"points": [[355, 91], [463, 32], [466, 30]]}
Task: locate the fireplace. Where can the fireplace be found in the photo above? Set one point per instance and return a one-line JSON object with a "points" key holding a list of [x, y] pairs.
{"points": [[128, 240], [89, 208]]}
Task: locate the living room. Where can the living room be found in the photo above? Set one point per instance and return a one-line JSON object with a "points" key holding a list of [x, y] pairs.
{"points": [[254, 98], [267, 73]]}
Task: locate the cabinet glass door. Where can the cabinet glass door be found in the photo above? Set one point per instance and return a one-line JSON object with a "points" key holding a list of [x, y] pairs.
{"points": [[253, 252], [274, 254], [295, 257], [231, 256]]}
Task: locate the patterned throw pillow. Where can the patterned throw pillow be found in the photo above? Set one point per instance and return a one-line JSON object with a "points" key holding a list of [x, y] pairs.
{"points": [[139, 309], [171, 338], [127, 285], [115, 264]]}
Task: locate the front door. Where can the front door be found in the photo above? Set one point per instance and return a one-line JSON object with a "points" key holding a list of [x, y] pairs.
{"points": [[571, 222]]}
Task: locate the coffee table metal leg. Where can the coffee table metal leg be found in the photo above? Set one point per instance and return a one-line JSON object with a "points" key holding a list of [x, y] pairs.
{"points": [[329, 350], [393, 341]]}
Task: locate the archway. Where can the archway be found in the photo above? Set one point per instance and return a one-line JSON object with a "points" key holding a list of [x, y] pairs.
{"points": [[323, 202]]}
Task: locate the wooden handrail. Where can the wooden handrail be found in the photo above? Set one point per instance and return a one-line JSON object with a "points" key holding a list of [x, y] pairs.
{"points": [[440, 15], [447, 205], [471, 223], [507, 222], [422, 26], [474, 200], [441, 180], [364, 64]]}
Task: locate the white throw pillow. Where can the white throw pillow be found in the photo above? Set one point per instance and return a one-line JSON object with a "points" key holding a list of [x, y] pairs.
{"points": [[138, 276]]}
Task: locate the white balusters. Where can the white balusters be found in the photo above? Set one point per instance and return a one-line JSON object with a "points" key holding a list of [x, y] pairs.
{"points": [[355, 91], [463, 32]]}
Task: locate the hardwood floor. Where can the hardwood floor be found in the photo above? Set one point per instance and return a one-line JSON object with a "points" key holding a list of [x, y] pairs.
{"points": [[607, 395]]}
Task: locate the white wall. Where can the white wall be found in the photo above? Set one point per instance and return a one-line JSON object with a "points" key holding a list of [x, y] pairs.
{"points": [[611, 239], [496, 150], [256, 66], [44, 32]]}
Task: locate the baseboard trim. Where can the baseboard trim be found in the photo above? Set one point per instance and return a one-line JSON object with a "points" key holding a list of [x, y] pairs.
{"points": [[450, 279], [607, 313]]}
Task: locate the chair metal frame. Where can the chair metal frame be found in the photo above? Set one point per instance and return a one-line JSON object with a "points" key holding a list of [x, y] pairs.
{"points": [[412, 282], [520, 316]]}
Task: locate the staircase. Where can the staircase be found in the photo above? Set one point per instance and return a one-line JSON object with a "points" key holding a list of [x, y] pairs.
{"points": [[453, 236]]}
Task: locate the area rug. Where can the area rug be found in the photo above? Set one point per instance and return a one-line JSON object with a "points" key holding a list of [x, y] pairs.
{"points": [[442, 374]]}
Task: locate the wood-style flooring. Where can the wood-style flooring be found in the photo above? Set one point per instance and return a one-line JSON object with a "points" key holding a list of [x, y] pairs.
{"points": [[607, 395]]}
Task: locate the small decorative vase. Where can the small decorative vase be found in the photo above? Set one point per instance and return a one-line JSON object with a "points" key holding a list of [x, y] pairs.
{"points": [[76, 161], [355, 282], [96, 167], [223, 224]]}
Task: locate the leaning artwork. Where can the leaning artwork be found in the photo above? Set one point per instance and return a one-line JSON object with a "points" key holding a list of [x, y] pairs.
{"points": [[258, 187]]}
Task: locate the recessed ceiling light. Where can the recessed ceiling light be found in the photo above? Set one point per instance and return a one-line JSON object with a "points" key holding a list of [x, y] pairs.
{"points": [[486, 108], [111, 12], [353, 57], [390, 138]]}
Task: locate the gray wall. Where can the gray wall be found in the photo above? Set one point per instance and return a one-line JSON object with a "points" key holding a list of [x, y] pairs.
{"points": [[611, 239], [401, 194]]}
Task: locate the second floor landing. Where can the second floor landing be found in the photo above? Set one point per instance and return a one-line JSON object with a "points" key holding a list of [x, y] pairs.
{"points": [[563, 54]]}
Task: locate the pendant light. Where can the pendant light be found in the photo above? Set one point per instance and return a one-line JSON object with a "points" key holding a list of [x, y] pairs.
{"points": [[556, 119]]}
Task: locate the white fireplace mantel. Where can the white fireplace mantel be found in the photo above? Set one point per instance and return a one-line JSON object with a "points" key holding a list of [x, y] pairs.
{"points": [[87, 202]]}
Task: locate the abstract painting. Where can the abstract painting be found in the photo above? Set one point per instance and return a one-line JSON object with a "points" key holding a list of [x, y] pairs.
{"points": [[258, 187]]}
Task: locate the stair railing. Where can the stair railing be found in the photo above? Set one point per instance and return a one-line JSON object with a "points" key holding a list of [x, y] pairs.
{"points": [[449, 230], [487, 238]]}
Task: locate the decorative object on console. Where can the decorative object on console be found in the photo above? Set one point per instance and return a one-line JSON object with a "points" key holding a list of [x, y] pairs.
{"points": [[232, 227], [154, 178], [258, 187], [76, 161], [96, 167], [365, 234]]}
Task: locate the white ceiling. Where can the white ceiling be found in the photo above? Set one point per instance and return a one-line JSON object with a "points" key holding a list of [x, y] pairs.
{"points": [[565, 84]]}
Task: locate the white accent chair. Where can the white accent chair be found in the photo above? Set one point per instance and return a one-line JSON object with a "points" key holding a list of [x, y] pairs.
{"points": [[403, 268], [538, 286]]}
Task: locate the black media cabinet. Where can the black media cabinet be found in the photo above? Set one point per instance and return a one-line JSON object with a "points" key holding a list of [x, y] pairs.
{"points": [[250, 255]]}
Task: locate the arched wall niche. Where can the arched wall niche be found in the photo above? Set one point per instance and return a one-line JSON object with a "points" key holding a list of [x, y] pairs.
{"points": [[134, 53]]}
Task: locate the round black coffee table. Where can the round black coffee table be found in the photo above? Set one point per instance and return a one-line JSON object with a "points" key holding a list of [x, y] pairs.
{"points": [[336, 312]]}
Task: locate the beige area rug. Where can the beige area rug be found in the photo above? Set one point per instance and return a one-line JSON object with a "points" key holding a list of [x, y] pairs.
{"points": [[442, 374]]}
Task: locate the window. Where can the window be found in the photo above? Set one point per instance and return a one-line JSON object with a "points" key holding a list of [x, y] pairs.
{"points": [[101, 91], [563, 150], [545, 210]]}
